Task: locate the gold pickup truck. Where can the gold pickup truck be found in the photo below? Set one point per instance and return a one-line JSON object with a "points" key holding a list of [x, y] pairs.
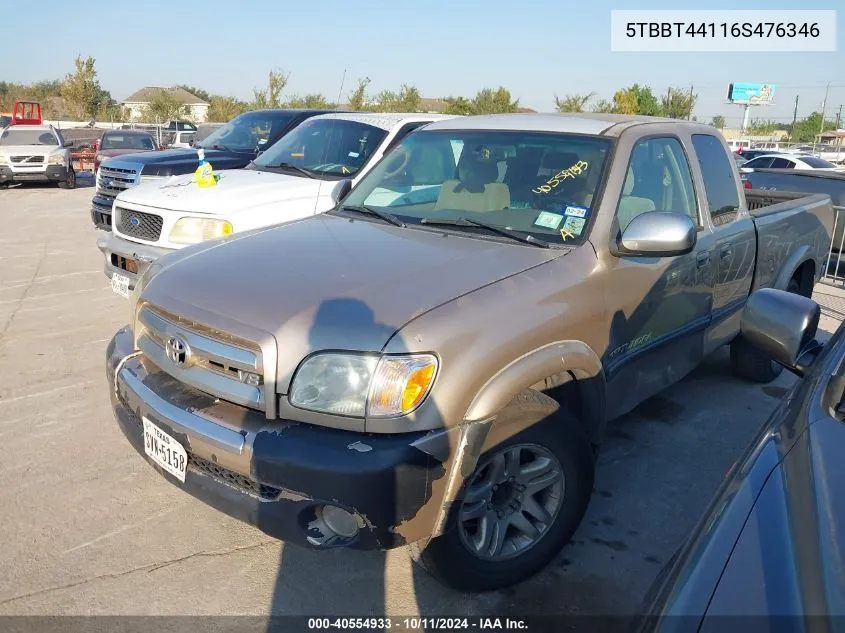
{"points": [[434, 361]]}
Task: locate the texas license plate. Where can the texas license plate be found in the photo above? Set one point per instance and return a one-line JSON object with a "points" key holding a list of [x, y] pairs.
{"points": [[164, 450], [120, 284]]}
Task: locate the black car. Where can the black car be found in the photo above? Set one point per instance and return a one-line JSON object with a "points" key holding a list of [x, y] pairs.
{"points": [[769, 553], [231, 146]]}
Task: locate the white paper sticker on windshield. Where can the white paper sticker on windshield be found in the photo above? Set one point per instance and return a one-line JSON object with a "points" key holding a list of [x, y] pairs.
{"points": [[548, 220], [575, 212], [354, 154]]}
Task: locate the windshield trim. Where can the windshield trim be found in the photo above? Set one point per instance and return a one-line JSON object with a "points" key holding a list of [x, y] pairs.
{"points": [[595, 205]]}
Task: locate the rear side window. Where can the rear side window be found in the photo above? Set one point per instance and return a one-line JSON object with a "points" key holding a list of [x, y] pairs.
{"points": [[782, 163], [719, 180]]}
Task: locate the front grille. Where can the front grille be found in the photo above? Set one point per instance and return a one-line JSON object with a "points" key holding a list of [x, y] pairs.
{"points": [[26, 159], [102, 220], [144, 226], [230, 477], [112, 180], [221, 474]]}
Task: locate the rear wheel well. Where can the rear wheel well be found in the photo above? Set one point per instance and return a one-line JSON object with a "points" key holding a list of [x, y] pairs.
{"points": [[805, 276]]}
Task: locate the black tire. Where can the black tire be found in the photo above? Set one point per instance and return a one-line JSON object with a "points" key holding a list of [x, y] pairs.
{"points": [[70, 183], [750, 363], [452, 563]]}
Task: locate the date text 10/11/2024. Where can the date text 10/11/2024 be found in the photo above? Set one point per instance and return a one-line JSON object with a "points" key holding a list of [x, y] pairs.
{"points": [[418, 623]]}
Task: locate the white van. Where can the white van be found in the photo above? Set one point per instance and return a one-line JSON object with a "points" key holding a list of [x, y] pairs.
{"points": [[303, 174], [737, 145]]}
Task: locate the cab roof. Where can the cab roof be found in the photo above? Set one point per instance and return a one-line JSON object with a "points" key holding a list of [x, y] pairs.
{"points": [[562, 122], [384, 120]]}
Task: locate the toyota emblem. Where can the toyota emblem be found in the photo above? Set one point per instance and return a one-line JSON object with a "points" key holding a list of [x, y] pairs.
{"points": [[178, 351]]}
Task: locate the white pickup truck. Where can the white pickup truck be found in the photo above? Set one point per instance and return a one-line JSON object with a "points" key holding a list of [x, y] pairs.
{"points": [[304, 173]]}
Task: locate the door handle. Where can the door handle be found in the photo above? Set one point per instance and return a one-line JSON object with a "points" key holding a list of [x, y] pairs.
{"points": [[702, 260], [726, 252]]}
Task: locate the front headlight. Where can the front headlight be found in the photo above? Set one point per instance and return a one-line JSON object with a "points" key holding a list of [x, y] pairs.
{"points": [[4, 160], [56, 159], [361, 385], [193, 230]]}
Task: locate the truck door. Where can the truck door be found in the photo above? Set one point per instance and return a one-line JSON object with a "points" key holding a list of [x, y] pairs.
{"points": [[661, 305], [735, 244]]}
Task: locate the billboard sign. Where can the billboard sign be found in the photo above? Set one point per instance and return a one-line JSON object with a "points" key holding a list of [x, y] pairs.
{"points": [[754, 94]]}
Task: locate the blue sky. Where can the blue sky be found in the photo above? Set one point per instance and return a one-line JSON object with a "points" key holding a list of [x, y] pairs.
{"points": [[536, 49]]}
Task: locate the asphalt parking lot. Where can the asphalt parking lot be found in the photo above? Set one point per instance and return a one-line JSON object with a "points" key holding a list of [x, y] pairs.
{"points": [[89, 528]]}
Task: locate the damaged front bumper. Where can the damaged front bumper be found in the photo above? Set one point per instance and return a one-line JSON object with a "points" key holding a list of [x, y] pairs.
{"points": [[281, 475]]}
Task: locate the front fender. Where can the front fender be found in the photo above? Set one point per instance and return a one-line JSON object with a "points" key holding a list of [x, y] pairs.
{"points": [[574, 358]]}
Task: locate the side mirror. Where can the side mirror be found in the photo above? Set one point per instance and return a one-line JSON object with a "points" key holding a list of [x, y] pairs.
{"points": [[659, 234], [340, 190], [783, 326], [67, 144]]}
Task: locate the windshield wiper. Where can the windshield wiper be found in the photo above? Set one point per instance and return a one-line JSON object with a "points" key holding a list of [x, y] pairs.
{"points": [[519, 237], [384, 215], [298, 170]]}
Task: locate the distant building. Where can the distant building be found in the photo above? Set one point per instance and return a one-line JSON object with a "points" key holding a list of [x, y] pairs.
{"points": [[194, 107]]}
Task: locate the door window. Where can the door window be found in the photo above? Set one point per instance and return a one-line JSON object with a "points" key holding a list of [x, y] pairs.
{"points": [[658, 179], [719, 179]]}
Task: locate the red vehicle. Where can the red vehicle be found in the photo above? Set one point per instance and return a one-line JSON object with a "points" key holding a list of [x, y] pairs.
{"points": [[26, 113], [117, 142]]}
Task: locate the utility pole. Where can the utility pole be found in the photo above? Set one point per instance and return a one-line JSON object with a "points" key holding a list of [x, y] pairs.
{"points": [[794, 118], [839, 116], [340, 92], [824, 108]]}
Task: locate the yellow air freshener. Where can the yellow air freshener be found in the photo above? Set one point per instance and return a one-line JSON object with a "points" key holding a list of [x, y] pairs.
{"points": [[204, 174]]}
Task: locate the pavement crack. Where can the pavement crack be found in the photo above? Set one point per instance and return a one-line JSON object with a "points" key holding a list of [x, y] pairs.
{"points": [[149, 567], [31, 281]]}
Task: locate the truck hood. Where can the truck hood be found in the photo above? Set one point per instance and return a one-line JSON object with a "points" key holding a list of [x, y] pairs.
{"points": [[184, 160], [328, 282], [237, 190]]}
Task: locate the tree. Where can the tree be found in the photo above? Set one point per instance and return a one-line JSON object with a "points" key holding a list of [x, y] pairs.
{"points": [[358, 97], [718, 121], [603, 105], [271, 96], [625, 101], [223, 109], [163, 106], [406, 100], [81, 91], [573, 103], [458, 105], [315, 101], [806, 129], [647, 103], [489, 101], [678, 103], [199, 92], [761, 128]]}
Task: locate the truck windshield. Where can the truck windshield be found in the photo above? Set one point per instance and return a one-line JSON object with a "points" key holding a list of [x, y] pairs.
{"points": [[325, 147], [127, 141], [248, 132], [12, 136], [538, 184]]}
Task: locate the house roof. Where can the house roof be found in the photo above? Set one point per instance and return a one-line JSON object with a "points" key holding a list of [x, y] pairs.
{"points": [[145, 94]]}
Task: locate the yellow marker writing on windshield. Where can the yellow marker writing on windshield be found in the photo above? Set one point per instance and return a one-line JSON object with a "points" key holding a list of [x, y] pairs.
{"points": [[564, 174], [565, 234]]}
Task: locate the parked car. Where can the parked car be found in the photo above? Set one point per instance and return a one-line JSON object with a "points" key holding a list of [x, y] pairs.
{"points": [[750, 154], [434, 361], [738, 159], [767, 552], [293, 179], [35, 153], [772, 146], [230, 147], [789, 161], [179, 138], [120, 142]]}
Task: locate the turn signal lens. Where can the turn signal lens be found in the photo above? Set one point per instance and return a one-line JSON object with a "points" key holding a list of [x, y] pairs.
{"points": [[400, 384]]}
